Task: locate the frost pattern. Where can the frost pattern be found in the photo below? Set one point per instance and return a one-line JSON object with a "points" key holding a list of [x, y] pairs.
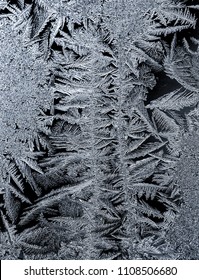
{"points": [[111, 93]]}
